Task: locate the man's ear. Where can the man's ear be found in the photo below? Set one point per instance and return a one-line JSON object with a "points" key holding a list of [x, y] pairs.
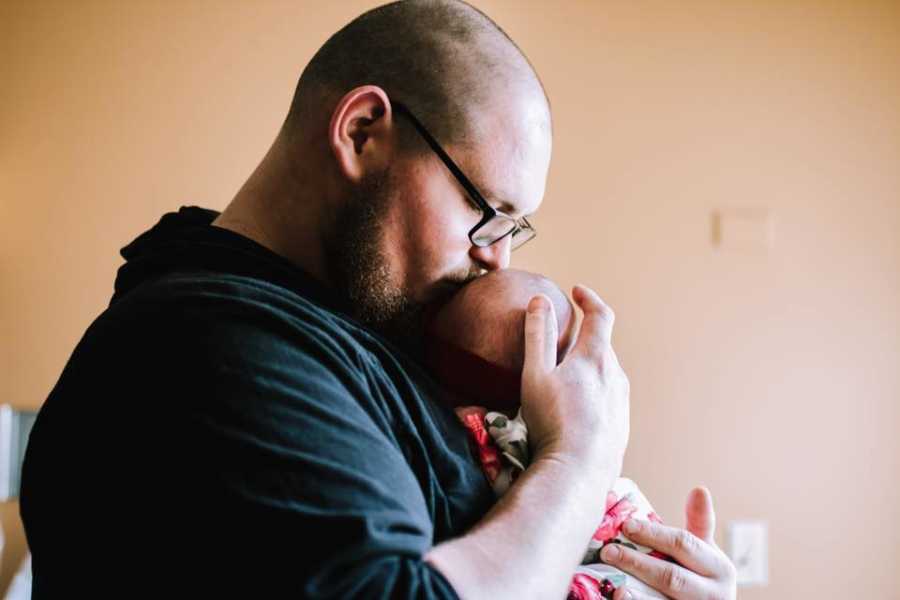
{"points": [[361, 132]]}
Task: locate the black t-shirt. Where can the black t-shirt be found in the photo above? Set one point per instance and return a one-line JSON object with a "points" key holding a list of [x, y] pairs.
{"points": [[223, 428]]}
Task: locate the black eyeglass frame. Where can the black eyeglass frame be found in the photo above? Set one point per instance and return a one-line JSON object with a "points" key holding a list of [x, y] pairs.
{"points": [[518, 226]]}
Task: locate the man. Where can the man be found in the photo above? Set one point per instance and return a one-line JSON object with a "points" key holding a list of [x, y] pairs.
{"points": [[248, 417]]}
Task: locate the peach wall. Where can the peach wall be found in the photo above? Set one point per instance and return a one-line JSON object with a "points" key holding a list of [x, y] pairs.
{"points": [[770, 375]]}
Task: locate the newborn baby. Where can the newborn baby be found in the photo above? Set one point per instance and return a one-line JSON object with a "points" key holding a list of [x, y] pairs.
{"points": [[476, 349]]}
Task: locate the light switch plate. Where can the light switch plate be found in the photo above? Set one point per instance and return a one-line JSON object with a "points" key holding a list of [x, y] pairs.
{"points": [[748, 548], [747, 229]]}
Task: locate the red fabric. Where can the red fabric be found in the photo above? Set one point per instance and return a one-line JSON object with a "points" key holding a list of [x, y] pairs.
{"points": [[486, 450], [584, 587], [617, 512], [471, 378]]}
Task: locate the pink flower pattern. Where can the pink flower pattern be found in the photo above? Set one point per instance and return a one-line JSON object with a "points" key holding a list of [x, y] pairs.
{"points": [[617, 510]]}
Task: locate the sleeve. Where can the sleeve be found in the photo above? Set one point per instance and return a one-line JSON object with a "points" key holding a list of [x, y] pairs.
{"points": [[259, 467]]}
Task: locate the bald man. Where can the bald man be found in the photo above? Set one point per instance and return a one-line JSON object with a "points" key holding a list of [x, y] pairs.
{"points": [[249, 417]]}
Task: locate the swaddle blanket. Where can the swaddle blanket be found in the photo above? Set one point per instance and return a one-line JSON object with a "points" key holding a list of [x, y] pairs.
{"points": [[502, 447]]}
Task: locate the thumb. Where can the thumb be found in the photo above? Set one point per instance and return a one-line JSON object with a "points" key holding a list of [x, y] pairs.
{"points": [[699, 514], [540, 336]]}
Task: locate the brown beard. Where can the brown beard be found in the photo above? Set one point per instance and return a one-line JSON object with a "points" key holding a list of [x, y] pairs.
{"points": [[359, 268]]}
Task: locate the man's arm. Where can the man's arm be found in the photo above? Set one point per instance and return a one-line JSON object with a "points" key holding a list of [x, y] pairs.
{"points": [[323, 502], [529, 544]]}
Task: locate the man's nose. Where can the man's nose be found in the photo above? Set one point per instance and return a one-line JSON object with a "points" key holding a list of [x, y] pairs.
{"points": [[493, 257]]}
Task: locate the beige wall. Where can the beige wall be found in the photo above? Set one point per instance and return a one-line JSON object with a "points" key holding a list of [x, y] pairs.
{"points": [[769, 375]]}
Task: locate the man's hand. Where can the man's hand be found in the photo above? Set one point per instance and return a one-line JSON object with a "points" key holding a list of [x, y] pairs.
{"points": [[577, 415], [576, 411], [706, 573]]}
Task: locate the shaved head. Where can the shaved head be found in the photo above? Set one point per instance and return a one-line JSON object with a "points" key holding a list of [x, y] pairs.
{"points": [[353, 193], [445, 59]]}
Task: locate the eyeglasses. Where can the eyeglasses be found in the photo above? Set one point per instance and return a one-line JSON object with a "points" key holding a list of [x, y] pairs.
{"points": [[494, 225]]}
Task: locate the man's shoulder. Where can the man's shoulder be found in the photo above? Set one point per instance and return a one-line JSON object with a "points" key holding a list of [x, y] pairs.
{"points": [[224, 301], [213, 289], [214, 321]]}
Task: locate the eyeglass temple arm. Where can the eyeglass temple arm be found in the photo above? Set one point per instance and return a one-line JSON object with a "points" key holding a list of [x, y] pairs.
{"points": [[463, 180], [460, 176]]}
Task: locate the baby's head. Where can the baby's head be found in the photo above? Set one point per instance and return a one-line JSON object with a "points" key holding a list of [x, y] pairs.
{"points": [[476, 341]]}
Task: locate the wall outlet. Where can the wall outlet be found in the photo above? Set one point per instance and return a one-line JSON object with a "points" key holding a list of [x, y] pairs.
{"points": [[748, 548]]}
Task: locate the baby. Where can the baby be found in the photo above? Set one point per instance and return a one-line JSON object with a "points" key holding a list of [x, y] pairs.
{"points": [[476, 349]]}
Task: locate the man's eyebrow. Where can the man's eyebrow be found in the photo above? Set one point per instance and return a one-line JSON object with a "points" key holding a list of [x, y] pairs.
{"points": [[501, 205], [509, 209], [497, 199]]}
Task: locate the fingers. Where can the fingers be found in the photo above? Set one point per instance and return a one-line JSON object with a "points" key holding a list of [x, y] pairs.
{"points": [[700, 517], [682, 545], [540, 336], [670, 579], [595, 336]]}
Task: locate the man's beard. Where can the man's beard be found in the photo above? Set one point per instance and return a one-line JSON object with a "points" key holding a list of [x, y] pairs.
{"points": [[359, 270]]}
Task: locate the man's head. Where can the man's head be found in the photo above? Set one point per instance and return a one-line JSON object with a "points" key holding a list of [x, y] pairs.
{"points": [[362, 201], [476, 342]]}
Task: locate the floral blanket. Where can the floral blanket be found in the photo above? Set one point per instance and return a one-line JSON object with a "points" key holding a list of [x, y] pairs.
{"points": [[501, 444]]}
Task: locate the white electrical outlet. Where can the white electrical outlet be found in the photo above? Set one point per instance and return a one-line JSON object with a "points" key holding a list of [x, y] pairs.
{"points": [[748, 548]]}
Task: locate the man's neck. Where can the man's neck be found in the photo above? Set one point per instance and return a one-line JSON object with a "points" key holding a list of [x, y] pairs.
{"points": [[280, 209]]}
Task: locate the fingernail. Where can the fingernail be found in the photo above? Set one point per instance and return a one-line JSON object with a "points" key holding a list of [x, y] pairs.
{"points": [[611, 552], [631, 526], [626, 595], [537, 305]]}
